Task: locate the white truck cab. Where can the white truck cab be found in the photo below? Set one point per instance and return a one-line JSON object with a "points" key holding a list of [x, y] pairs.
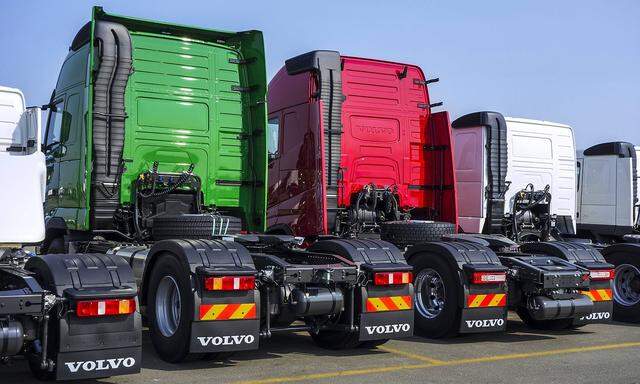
{"points": [[607, 190], [497, 157], [23, 171]]}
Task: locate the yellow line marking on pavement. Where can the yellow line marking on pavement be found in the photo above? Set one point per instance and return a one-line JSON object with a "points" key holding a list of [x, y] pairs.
{"points": [[326, 375], [514, 356], [436, 363], [411, 355]]}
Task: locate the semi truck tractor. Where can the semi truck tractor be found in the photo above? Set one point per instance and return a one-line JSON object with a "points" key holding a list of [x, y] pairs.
{"points": [[516, 178], [607, 213], [72, 316], [163, 164], [357, 152], [498, 161]]}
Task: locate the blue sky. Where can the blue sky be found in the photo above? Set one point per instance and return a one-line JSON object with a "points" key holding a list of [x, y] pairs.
{"points": [[574, 62]]}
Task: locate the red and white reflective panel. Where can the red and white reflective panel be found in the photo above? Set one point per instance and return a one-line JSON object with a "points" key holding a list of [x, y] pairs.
{"points": [[392, 278], [109, 307], [230, 283], [602, 274], [488, 277]]}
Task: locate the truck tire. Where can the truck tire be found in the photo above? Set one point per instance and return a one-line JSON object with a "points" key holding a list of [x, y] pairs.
{"points": [[626, 286], [194, 226], [170, 309], [547, 325], [437, 291], [410, 232]]}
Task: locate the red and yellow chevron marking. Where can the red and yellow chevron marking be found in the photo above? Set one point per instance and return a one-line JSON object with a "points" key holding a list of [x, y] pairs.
{"points": [[489, 300], [598, 294], [389, 303], [227, 311]]}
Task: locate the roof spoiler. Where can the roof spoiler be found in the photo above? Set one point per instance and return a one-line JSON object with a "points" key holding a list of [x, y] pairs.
{"points": [[617, 148], [314, 61], [478, 119]]}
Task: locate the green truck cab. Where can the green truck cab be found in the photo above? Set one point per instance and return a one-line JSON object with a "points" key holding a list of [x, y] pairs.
{"points": [[132, 93]]}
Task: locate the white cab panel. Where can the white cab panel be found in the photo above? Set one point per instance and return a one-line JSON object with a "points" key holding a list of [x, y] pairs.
{"points": [[541, 153], [22, 171]]}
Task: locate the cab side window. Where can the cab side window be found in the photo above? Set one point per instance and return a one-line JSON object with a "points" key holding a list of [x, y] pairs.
{"points": [[53, 134], [273, 137]]}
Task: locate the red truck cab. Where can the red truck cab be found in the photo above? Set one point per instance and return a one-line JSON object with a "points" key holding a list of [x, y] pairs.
{"points": [[339, 125]]}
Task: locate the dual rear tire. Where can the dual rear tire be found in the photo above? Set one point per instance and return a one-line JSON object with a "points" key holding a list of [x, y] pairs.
{"points": [[170, 309], [626, 287], [437, 313]]}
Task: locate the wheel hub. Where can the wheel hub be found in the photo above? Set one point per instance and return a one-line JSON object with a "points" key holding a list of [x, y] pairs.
{"points": [[168, 306], [430, 293], [626, 285]]}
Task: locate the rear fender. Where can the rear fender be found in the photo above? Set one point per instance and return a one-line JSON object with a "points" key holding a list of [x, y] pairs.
{"points": [[483, 308], [91, 347], [460, 256], [223, 320], [583, 255]]}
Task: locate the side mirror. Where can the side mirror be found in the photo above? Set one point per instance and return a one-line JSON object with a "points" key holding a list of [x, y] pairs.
{"points": [[34, 124]]}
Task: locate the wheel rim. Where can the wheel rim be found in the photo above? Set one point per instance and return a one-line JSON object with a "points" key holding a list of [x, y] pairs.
{"points": [[430, 293], [626, 286], [168, 306]]}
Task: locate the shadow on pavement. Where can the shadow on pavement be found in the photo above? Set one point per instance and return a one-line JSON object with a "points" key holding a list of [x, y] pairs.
{"points": [[282, 345], [517, 332], [278, 346]]}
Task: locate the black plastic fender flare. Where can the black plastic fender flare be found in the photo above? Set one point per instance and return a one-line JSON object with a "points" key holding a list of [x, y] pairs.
{"points": [[361, 251], [84, 271], [197, 253], [91, 277], [577, 253], [458, 254], [625, 248]]}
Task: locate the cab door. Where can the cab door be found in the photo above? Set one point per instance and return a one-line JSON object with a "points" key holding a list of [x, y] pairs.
{"points": [[53, 149], [71, 196], [275, 184]]}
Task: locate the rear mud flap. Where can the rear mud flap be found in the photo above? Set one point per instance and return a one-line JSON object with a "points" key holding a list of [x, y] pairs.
{"points": [[480, 320], [602, 313], [224, 336], [98, 363], [386, 325]]}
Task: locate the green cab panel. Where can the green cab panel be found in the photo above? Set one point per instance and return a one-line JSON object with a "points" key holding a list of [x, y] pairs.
{"points": [[182, 109]]}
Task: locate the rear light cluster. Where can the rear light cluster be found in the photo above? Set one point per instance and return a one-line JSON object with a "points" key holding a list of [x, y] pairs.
{"points": [[230, 283], [109, 307], [488, 277], [392, 278], [602, 274]]}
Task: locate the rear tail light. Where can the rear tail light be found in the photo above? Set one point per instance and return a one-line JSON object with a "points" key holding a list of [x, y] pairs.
{"points": [[109, 307], [392, 278], [488, 277], [230, 283], [602, 274]]}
